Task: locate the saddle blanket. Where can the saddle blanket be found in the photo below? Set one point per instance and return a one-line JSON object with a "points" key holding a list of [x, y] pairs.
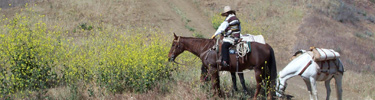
{"points": [[321, 54], [253, 38]]}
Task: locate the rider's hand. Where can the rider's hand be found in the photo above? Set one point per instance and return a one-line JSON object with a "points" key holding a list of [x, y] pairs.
{"points": [[213, 37]]}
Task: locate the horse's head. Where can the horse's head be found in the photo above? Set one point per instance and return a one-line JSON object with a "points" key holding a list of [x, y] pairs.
{"points": [[176, 49]]}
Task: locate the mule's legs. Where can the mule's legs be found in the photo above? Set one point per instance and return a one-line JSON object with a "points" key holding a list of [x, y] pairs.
{"points": [[240, 75], [313, 88], [308, 84], [328, 88], [234, 81], [338, 79]]}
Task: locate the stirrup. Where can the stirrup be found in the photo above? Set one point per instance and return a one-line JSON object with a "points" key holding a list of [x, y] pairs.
{"points": [[224, 64]]}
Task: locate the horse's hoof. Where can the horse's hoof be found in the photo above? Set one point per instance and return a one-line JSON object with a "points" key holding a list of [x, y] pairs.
{"points": [[246, 92]]}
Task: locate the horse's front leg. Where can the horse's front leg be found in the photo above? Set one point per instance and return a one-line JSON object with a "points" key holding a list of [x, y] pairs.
{"points": [[240, 75], [215, 80], [204, 77], [328, 88], [338, 79], [234, 80]]}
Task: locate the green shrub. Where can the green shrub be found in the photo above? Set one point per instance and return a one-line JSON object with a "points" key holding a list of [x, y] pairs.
{"points": [[84, 26], [216, 20], [28, 56], [119, 61], [198, 35], [35, 58]]}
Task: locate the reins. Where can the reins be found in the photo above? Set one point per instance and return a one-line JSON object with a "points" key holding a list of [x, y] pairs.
{"points": [[178, 41]]}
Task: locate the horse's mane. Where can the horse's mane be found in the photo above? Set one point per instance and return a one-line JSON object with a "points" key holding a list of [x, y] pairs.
{"points": [[199, 39], [301, 52], [195, 38]]}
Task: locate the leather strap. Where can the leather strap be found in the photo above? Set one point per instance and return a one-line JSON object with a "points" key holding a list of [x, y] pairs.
{"points": [[303, 70]]}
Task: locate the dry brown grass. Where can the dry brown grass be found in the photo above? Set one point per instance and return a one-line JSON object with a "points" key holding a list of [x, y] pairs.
{"points": [[361, 84], [288, 25]]}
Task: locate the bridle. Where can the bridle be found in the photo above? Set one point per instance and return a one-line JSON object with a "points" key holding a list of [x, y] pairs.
{"points": [[278, 87], [178, 45]]}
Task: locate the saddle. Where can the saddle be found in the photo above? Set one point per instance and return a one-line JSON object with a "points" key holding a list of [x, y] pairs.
{"points": [[241, 47]]}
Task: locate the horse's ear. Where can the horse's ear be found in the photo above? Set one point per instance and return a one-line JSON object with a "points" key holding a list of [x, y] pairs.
{"points": [[175, 36]]}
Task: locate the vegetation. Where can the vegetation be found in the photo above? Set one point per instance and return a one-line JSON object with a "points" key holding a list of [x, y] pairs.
{"points": [[34, 58], [114, 49]]}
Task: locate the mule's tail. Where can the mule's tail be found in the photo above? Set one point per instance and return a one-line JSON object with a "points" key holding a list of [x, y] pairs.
{"points": [[271, 64]]}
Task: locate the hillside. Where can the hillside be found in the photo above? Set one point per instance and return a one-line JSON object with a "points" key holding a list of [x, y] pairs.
{"points": [[343, 25], [347, 26]]}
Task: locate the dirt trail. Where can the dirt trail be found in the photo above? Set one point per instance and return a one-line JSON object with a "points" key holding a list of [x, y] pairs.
{"points": [[298, 90], [5, 4], [181, 16]]}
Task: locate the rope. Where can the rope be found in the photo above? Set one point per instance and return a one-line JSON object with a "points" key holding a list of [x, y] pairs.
{"points": [[225, 72], [242, 49]]}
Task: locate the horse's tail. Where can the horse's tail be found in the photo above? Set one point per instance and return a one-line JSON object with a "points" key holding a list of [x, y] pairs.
{"points": [[271, 64]]}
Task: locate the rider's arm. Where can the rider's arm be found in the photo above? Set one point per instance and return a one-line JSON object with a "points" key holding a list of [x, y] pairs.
{"points": [[221, 28]]}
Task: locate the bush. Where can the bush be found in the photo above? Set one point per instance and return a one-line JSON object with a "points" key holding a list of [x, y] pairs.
{"points": [[216, 20], [133, 61], [34, 58], [198, 35], [28, 56]]}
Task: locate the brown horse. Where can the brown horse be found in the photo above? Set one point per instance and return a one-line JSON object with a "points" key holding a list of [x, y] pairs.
{"points": [[260, 53]]}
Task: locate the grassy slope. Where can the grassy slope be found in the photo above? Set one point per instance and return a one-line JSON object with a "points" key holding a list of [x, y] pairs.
{"points": [[286, 25], [291, 25]]}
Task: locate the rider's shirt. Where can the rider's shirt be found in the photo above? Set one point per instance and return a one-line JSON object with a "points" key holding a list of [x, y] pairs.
{"points": [[232, 28]]}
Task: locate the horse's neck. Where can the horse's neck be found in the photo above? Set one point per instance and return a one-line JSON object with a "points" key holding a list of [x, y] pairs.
{"points": [[197, 46]]}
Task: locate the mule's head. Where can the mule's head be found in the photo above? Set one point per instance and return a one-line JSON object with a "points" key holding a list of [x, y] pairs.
{"points": [[280, 88], [176, 49]]}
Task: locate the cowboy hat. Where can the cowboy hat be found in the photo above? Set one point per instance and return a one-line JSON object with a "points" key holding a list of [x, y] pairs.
{"points": [[227, 10]]}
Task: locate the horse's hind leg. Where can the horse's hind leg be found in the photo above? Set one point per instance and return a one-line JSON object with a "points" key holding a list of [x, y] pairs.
{"points": [[240, 75], [234, 81], [258, 78], [338, 79], [328, 88]]}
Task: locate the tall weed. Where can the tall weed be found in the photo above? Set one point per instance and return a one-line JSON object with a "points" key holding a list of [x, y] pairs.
{"points": [[35, 57], [29, 55]]}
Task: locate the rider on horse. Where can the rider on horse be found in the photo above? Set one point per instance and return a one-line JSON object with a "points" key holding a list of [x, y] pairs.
{"points": [[231, 28]]}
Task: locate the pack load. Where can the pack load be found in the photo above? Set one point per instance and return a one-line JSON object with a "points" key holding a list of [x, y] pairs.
{"points": [[322, 54], [253, 38]]}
